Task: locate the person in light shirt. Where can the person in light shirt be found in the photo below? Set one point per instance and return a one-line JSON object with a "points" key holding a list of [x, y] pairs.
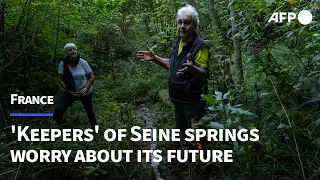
{"points": [[75, 77]]}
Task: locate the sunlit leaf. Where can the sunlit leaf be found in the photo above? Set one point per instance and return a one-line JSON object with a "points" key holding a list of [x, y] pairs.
{"points": [[209, 98], [240, 111], [212, 108], [218, 95], [225, 96]]}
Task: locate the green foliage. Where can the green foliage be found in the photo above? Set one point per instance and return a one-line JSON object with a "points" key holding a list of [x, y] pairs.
{"points": [[135, 82], [221, 110]]}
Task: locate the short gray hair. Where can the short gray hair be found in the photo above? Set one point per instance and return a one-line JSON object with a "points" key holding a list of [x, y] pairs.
{"points": [[69, 45], [189, 11]]}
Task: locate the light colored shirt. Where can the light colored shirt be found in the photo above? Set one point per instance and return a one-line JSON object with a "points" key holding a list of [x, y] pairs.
{"points": [[201, 58], [79, 74]]}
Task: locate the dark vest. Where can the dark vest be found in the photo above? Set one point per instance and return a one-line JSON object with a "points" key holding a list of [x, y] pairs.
{"points": [[185, 88]]}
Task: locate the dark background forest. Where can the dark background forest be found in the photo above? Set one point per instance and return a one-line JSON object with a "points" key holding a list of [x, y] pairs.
{"points": [[263, 75]]}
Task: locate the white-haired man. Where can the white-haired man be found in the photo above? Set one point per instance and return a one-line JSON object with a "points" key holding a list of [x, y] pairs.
{"points": [[76, 78], [187, 66]]}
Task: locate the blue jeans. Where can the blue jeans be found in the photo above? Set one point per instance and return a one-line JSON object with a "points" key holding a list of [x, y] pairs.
{"points": [[67, 99]]}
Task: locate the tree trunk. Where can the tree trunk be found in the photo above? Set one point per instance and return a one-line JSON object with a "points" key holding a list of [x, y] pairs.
{"points": [[237, 51], [213, 14]]}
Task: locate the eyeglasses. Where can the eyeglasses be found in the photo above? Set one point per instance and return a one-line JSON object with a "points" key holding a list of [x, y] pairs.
{"points": [[186, 23]]}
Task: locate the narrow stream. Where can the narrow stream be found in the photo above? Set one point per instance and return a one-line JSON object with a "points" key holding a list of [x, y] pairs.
{"points": [[147, 116]]}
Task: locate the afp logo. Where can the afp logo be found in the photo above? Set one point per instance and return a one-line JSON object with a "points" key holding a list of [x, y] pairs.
{"points": [[304, 17]]}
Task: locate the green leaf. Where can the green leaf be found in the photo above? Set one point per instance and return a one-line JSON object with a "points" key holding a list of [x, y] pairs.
{"points": [[316, 59], [249, 59], [239, 111], [264, 94], [238, 105], [261, 3], [163, 41], [209, 98], [215, 125], [225, 96], [229, 122], [302, 30], [231, 3], [218, 95], [236, 35], [206, 119], [289, 34], [297, 86], [212, 108], [244, 31], [317, 122], [281, 125]]}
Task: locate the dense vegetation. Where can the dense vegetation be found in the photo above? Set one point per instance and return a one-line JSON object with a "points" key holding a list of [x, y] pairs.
{"points": [[263, 75]]}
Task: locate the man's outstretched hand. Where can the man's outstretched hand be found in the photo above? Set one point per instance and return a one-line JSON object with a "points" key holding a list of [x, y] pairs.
{"points": [[147, 55], [187, 67]]}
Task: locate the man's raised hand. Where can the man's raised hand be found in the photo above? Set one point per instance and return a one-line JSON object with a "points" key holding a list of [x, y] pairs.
{"points": [[147, 55], [187, 66]]}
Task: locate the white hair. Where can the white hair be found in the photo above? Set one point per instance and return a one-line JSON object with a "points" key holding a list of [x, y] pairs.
{"points": [[69, 45], [189, 11]]}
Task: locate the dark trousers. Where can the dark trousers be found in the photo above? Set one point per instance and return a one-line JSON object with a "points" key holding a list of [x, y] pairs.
{"points": [[186, 114], [67, 99]]}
